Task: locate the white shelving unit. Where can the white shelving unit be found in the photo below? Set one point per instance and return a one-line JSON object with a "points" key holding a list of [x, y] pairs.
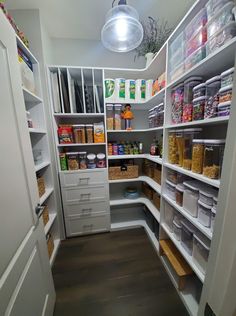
{"points": [[39, 141]]}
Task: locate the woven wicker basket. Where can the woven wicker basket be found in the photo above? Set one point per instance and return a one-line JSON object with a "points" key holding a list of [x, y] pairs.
{"points": [[50, 244], [148, 168], [157, 175], [124, 172], [157, 200], [45, 215], [147, 191], [41, 186]]}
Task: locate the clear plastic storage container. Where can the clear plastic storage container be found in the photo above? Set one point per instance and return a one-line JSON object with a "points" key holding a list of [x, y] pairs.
{"points": [[89, 133], [196, 24], [221, 37], [215, 201], [213, 6], [79, 133], [117, 116], [180, 147], [212, 94], [177, 98], [189, 84], [179, 193], [177, 44], [177, 72], [174, 176], [226, 94], [177, 228], [220, 19], [189, 135], [170, 189], [196, 41], [206, 195], [198, 108], [213, 215], [204, 214], [172, 147], [187, 233], [197, 155], [201, 249], [224, 108], [110, 117], [169, 216], [193, 59], [191, 196], [213, 158], [227, 77], [199, 91]]}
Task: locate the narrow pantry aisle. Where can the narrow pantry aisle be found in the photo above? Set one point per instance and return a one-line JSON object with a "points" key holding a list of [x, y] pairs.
{"points": [[114, 274]]}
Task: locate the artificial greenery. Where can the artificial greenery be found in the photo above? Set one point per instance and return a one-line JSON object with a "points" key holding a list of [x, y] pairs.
{"points": [[155, 34]]}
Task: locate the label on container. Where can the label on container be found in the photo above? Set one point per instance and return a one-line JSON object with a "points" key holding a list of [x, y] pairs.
{"points": [[122, 88], [132, 88], [143, 89], [109, 88]]}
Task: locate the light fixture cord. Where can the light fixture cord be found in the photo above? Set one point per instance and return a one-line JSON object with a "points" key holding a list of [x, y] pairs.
{"points": [[119, 3]]}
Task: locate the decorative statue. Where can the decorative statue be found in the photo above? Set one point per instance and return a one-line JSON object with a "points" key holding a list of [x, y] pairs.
{"points": [[127, 115]]}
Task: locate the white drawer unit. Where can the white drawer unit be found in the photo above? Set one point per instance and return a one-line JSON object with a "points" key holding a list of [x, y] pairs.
{"points": [[80, 226], [83, 178], [86, 194], [86, 209]]}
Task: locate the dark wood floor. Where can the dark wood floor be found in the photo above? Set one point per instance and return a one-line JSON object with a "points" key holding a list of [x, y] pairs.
{"points": [[113, 274]]}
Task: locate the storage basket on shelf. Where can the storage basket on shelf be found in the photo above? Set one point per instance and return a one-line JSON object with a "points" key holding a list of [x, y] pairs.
{"points": [[45, 215], [123, 172], [148, 168], [50, 245], [157, 174], [41, 186], [147, 190], [157, 200]]}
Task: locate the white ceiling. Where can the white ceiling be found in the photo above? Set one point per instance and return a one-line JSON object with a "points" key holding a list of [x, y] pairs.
{"points": [[84, 19]]}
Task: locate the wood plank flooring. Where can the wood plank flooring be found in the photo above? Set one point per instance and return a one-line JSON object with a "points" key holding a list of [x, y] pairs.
{"points": [[113, 274]]}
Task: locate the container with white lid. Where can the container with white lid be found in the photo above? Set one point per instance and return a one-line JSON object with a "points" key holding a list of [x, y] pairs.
{"points": [[213, 215], [177, 228], [199, 90], [170, 189], [227, 77], [226, 94], [224, 108], [215, 201], [169, 213], [191, 196], [206, 195], [179, 193], [187, 233], [189, 135], [213, 158], [204, 214], [201, 249]]}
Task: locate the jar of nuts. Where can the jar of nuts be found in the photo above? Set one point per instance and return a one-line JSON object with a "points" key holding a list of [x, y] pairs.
{"points": [[197, 155], [213, 158]]}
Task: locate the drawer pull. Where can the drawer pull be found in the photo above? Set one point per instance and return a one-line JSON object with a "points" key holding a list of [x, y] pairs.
{"points": [[85, 196], [86, 211], [88, 226], [81, 180]]}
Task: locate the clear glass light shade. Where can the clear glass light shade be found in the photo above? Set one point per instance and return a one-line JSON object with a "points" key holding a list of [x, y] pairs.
{"points": [[122, 31]]}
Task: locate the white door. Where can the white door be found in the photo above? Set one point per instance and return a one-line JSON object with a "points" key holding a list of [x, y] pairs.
{"points": [[26, 285]]}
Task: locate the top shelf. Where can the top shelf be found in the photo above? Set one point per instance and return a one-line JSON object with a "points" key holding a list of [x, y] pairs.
{"points": [[26, 50], [78, 115]]}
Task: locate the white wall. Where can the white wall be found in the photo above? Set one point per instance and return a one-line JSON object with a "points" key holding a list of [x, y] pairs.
{"points": [[90, 53]]}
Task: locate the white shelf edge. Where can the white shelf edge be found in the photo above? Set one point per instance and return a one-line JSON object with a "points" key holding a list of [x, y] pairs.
{"points": [[26, 50], [138, 156], [46, 195], [152, 238], [82, 170], [75, 115], [55, 250], [37, 131], [144, 130], [49, 224], [200, 177], [206, 231], [223, 119], [33, 97], [80, 145], [184, 253], [42, 165]]}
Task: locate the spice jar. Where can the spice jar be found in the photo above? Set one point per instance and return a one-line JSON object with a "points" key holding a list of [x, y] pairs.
{"points": [[197, 155], [199, 91], [72, 160], [110, 117], [198, 108], [89, 133], [180, 146], [212, 97], [227, 77], [177, 97], [79, 133], [189, 84], [189, 135], [82, 159], [179, 193], [91, 161], [213, 158], [101, 161], [117, 116], [226, 94], [172, 147]]}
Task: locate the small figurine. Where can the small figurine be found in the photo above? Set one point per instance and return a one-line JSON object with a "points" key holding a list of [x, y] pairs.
{"points": [[127, 115]]}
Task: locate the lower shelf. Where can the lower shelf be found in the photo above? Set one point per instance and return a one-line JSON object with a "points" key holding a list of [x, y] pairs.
{"points": [[49, 224], [55, 250], [46, 195]]}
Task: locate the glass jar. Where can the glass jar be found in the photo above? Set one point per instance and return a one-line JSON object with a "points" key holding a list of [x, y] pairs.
{"points": [[91, 161], [172, 147], [189, 84], [198, 108], [179, 193], [79, 133], [89, 133], [82, 159], [212, 97], [189, 135], [110, 117], [180, 146], [213, 158], [117, 116], [101, 160], [197, 155], [177, 98], [199, 91]]}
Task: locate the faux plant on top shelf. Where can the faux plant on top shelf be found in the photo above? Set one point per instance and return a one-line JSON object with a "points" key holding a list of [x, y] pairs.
{"points": [[155, 35]]}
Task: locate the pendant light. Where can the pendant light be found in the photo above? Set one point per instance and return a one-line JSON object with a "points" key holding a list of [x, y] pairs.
{"points": [[122, 31]]}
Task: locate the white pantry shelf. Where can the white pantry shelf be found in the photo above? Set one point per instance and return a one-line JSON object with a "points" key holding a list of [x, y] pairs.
{"points": [[184, 253], [78, 115], [200, 177], [26, 50], [46, 195], [31, 97], [144, 130], [210, 121], [37, 131], [55, 250], [42, 165], [205, 230], [80, 145], [49, 224], [138, 156]]}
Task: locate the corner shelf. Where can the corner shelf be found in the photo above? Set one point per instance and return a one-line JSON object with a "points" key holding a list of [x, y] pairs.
{"points": [[210, 121], [42, 165], [46, 195], [47, 227], [138, 156], [55, 250]]}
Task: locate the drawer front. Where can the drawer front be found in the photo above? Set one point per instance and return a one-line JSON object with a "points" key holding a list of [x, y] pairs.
{"points": [[82, 195], [86, 209], [78, 226], [83, 178]]}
